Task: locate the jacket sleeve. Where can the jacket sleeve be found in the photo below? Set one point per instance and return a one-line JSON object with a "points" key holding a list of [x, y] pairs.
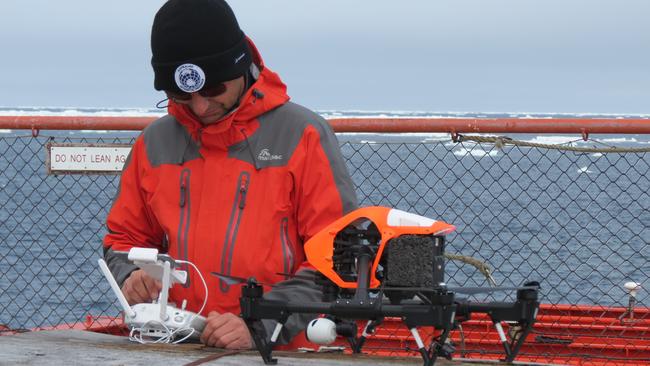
{"points": [[295, 289], [324, 189], [130, 222], [324, 193]]}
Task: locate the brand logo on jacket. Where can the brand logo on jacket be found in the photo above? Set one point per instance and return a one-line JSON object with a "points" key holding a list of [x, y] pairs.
{"points": [[189, 78], [265, 155]]}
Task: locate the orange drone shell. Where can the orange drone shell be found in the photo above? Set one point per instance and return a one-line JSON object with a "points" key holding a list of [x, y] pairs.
{"points": [[390, 222]]}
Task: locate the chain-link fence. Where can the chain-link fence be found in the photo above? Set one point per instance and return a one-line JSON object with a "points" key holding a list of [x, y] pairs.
{"points": [[577, 221]]}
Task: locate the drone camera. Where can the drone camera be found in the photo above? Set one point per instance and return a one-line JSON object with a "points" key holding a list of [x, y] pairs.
{"points": [[321, 331]]}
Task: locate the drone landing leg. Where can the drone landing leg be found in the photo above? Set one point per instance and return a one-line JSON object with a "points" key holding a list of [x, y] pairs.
{"points": [[441, 347], [504, 340], [357, 343], [428, 355], [264, 347], [438, 347], [517, 340]]}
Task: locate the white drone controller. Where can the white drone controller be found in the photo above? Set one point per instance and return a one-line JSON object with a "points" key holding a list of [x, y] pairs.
{"points": [[157, 320]]}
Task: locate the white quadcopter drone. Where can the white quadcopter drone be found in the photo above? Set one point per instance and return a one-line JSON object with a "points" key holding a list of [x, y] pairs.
{"points": [[158, 322]]}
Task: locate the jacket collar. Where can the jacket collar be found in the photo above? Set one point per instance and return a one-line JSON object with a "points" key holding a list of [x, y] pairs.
{"points": [[266, 93]]}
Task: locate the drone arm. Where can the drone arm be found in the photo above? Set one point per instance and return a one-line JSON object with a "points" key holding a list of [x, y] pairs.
{"points": [[499, 311], [523, 311]]}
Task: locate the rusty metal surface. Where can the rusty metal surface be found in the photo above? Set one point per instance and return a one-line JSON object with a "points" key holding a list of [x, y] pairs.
{"points": [[377, 125]]}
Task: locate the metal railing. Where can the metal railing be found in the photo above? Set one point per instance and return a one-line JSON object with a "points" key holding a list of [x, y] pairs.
{"points": [[574, 217]]}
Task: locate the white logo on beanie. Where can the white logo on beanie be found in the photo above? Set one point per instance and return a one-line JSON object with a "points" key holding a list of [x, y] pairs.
{"points": [[189, 78]]}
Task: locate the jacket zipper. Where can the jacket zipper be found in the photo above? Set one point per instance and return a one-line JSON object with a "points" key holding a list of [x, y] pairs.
{"points": [[184, 221], [233, 227], [287, 247], [199, 132]]}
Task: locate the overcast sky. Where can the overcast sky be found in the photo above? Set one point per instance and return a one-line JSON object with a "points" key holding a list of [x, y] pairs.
{"points": [[426, 55]]}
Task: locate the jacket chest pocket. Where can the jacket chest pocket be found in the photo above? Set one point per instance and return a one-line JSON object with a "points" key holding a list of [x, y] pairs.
{"points": [[236, 213], [288, 255], [184, 204]]}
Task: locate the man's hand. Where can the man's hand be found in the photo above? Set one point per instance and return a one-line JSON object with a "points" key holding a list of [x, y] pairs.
{"points": [[139, 287], [226, 331]]}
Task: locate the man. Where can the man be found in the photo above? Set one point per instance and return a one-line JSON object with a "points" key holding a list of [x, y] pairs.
{"points": [[234, 179]]}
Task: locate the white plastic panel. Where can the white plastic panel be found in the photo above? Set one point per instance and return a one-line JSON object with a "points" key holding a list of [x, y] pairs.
{"points": [[402, 218]]}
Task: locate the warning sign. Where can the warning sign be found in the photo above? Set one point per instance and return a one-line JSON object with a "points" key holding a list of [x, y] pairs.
{"points": [[86, 158]]}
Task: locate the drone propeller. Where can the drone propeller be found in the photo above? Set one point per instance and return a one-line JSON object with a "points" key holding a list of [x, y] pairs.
{"points": [[234, 280], [306, 277]]}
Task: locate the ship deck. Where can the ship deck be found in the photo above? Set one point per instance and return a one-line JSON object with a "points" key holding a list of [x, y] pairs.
{"points": [[76, 347]]}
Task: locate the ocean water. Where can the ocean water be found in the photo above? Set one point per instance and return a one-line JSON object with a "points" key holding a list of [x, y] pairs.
{"points": [[577, 222]]}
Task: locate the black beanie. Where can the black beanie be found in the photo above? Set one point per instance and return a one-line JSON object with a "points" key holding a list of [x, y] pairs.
{"points": [[197, 44]]}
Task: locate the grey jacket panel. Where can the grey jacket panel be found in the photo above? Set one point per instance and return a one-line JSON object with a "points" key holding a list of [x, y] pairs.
{"points": [[279, 134], [119, 265], [275, 141], [168, 142], [294, 290], [330, 145]]}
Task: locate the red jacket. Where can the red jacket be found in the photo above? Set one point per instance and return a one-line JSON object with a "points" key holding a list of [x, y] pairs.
{"points": [[238, 197]]}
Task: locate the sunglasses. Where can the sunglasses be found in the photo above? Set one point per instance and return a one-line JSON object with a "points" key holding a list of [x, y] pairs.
{"points": [[209, 92]]}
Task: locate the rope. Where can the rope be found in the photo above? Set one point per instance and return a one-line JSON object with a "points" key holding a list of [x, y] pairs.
{"points": [[213, 357], [478, 264], [501, 141]]}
